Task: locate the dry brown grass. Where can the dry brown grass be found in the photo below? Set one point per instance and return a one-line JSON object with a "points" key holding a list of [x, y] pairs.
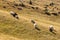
{"points": [[23, 29]]}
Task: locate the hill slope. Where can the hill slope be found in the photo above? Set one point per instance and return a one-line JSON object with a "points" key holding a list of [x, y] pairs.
{"points": [[23, 28]]}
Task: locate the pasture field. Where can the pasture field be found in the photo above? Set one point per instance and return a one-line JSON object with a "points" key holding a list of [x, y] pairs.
{"points": [[22, 28]]}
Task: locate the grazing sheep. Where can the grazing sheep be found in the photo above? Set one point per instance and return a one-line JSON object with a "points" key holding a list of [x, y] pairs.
{"points": [[51, 4], [55, 14], [33, 7], [51, 29], [22, 4], [17, 17], [30, 2], [46, 12], [14, 14], [19, 8], [58, 12], [35, 25]]}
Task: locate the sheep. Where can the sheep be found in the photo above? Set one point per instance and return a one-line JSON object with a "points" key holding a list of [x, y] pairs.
{"points": [[51, 4], [35, 25], [33, 7], [58, 12], [55, 14], [46, 11], [22, 4], [14, 14], [19, 8], [30, 2], [51, 29]]}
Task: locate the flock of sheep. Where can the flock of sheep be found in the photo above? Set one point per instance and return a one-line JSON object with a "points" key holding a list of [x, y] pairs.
{"points": [[51, 28], [54, 7]]}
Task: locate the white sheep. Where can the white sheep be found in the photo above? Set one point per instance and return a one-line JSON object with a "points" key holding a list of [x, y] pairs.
{"points": [[14, 14]]}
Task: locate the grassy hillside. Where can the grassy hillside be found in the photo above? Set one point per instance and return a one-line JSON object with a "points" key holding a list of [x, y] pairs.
{"points": [[22, 28]]}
